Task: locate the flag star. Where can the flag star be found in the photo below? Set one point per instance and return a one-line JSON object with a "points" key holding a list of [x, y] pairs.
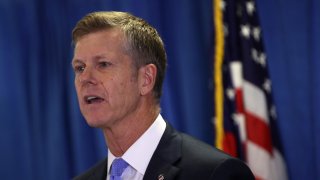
{"points": [[273, 112], [262, 59], [267, 85], [230, 93], [235, 117], [250, 7], [256, 33], [223, 5], [245, 31], [254, 54], [225, 30], [259, 58]]}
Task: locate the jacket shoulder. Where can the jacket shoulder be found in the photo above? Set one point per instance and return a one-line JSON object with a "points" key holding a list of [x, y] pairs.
{"points": [[201, 158], [96, 172]]}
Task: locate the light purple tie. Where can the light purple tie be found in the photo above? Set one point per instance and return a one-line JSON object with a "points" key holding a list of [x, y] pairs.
{"points": [[117, 168]]}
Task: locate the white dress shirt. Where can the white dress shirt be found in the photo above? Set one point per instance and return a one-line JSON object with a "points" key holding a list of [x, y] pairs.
{"points": [[139, 154]]}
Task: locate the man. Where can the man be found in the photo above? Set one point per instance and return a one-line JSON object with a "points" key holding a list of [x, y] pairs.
{"points": [[119, 63]]}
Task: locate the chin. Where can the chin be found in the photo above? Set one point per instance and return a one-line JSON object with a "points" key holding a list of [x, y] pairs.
{"points": [[95, 123]]}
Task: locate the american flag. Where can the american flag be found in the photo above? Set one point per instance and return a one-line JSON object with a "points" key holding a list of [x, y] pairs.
{"points": [[245, 113]]}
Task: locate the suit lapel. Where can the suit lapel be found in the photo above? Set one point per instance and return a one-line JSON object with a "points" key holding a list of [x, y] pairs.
{"points": [[162, 163], [101, 171]]}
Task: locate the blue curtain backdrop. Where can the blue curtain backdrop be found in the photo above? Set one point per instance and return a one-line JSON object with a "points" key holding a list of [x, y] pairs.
{"points": [[42, 133]]}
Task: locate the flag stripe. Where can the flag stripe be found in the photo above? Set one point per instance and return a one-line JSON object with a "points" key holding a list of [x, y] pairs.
{"points": [[258, 160], [255, 101], [239, 100], [229, 142], [258, 132]]}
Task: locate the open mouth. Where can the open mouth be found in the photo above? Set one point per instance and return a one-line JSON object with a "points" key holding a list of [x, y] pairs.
{"points": [[93, 99]]}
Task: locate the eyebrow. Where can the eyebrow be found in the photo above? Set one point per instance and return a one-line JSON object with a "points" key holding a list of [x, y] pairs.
{"points": [[76, 61], [95, 58], [98, 57]]}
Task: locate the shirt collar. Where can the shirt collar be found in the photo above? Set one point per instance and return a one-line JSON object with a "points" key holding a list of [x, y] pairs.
{"points": [[141, 151]]}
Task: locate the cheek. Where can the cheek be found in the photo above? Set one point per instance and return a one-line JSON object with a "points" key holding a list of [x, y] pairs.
{"points": [[120, 86], [76, 81], [115, 83], [76, 85]]}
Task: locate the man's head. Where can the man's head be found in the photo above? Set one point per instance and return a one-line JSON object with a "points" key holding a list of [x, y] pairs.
{"points": [[142, 41], [119, 63]]}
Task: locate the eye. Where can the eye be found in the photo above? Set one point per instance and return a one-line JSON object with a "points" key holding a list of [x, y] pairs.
{"points": [[104, 64], [78, 68]]}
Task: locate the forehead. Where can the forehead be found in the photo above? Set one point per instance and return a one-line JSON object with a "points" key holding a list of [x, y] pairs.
{"points": [[103, 37], [110, 41]]}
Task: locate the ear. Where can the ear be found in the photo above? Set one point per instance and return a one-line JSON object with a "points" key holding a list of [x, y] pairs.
{"points": [[147, 78]]}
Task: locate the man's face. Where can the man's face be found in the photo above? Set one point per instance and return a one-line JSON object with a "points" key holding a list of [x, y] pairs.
{"points": [[105, 79]]}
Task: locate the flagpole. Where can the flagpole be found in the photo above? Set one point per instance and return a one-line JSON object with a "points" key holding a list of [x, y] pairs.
{"points": [[218, 60]]}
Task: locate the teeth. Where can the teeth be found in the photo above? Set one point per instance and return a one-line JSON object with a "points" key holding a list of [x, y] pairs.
{"points": [[93, 99], [90, 98]]}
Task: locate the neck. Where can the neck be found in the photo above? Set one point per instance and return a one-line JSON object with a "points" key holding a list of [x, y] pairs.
{"points": [[120, 137]]}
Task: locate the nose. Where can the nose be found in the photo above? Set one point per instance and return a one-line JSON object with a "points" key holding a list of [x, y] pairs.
{"points": [[87, 77]]}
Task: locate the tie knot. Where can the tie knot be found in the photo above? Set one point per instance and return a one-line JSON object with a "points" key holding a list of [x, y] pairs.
{"points": [[117, 167]]}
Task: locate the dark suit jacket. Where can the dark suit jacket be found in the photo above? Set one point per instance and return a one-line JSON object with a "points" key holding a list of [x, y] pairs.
{"points": [[182, 157]]}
